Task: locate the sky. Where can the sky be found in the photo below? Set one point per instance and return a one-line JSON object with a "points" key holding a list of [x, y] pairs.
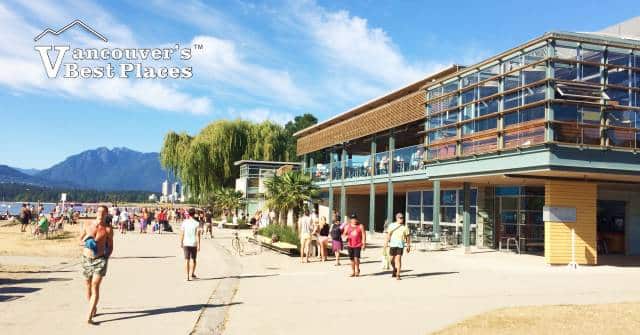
{"points": [[259, 61]]}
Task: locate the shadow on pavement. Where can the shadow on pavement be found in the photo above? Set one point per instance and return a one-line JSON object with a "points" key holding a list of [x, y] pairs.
{"points": [[428, 274], [39, 271], [18, 289], [30, 280], [239, 277], [141, 257], [4, 298], [157, 311], [382, 273]]}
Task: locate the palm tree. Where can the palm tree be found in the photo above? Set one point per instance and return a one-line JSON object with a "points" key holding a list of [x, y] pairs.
{"points": [[228, 199], [289, 192]]}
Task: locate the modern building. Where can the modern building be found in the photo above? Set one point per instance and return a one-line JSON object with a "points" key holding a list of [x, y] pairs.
{"points": [[165, 188], [536, 147], [252, 177], [172, 192]]}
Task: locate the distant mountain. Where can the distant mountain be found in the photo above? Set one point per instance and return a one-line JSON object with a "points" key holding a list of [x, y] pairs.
{"points": [[9, 175], [109, 170], [31, 172]]}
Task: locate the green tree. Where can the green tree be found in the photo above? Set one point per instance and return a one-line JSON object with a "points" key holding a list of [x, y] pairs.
{"points": [[289, 191], [292, 127], [228, 199]]}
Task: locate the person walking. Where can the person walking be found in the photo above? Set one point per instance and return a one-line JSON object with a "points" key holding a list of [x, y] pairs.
{"points": [[190, 234], [397, 239], [97, 240], [305, 227], [356, 243], [124, 221]]}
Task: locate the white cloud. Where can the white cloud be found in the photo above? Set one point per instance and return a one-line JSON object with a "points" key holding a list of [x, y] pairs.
{"points": [[221, 61], [22, 69], [262, 114]]}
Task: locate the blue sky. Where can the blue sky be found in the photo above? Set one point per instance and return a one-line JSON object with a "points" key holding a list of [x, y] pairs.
{"points": [[261, 60]]}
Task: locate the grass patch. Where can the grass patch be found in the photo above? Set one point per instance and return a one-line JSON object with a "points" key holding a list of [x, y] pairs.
{"points": [[284, 233], [619, 318]]}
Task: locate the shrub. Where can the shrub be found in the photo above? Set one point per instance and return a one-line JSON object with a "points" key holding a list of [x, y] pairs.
{"points": [[284, 233]]}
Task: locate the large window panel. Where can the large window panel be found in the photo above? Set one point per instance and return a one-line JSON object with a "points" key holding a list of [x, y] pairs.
{"points": [[535, 55], [512, 63], [489, 72], [533, 74], [590, 73], [512, 100], [512, 80], [618, 76], [414, 213], [532, 114], [565, 71], [468, 96], [469, 80], [427, 198], [434, 93], [468, 112], [413, 198], [621, 118], [488, 106], [566, 112], [618, 57], [619, 96], [435, 121], [510, 119], [534, 94], [448, 198], [488, 88], [452, 117], [591, 53], [450, 87], [566, 50]]}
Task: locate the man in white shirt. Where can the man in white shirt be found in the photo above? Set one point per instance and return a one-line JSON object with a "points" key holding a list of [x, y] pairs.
{"points": [[190, 242]]}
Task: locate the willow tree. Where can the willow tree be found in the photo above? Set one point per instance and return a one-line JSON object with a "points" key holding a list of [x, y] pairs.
{"points": [[205, 162]]}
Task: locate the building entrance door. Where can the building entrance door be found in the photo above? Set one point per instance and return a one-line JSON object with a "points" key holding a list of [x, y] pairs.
{"points": [[520, 217]]}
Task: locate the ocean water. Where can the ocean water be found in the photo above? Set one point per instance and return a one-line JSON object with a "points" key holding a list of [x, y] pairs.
{"points": [[14, 207]]}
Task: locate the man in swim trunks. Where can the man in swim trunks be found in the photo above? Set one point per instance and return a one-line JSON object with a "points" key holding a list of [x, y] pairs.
{"points": [[97, 239]]}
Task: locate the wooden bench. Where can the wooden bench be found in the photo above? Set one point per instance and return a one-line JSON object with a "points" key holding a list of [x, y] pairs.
{"points": [[282, 247]]}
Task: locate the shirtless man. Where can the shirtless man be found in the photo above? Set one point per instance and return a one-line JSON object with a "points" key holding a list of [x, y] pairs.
{"points": [[97, 239]]}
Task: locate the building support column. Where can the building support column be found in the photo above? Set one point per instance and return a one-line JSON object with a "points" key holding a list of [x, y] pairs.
{"points": [[330, 218], [466, 217], [311, 164], [392, 143], [372, 188], [343, 189], [436, 210]]}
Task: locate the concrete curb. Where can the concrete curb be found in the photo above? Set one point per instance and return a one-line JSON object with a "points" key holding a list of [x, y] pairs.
{"points": [[212, 319]]}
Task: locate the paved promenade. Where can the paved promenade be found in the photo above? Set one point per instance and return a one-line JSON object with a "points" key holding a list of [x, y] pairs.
{"points": [[145, 290]]}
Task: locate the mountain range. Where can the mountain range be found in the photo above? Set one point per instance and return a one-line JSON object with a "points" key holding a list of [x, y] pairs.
{"points": [[117, 169]]}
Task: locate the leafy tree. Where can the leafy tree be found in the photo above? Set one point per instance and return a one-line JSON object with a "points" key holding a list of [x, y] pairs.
{"points": [[292, 127], [289, 191], [228, 199]]}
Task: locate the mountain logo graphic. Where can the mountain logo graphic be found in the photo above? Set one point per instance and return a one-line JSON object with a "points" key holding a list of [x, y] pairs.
{"points": [[72, 24]]}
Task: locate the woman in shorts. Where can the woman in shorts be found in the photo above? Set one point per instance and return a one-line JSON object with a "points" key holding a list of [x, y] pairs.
{"points": [[356, 241], [335, 232]]}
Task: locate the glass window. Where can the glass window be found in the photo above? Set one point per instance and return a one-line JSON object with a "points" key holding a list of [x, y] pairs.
{"points": [[618, 57], [590, 115], [434, 92], [489, 72], [474, 196], [486, 124], [468, 96], [510, 119], [533, 74], [621, 118], [635, 78], [450, 87], [532, 114], [512, 100], [448, 198], [535, 55], [435, 121], [468, 112], [565, 71], [590, 73], [488, 106], [448, 214], [511, 81], [469, 79], [533, 94], [488, 88], [565, 112], [568, 51], [413, 198], [512, 64], [427, 198], [452, 117], [619, 95], [414, 213], [618, 76], [427, 213], [591, 53]]}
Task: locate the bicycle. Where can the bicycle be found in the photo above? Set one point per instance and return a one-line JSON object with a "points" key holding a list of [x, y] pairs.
{"points": [[237, 244]]}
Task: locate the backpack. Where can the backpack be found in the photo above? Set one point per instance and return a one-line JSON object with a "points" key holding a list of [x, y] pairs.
{"points": [[336, 233]]}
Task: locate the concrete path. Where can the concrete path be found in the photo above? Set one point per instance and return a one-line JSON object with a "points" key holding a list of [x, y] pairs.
{"points": [[279, 295], [145, 290]]}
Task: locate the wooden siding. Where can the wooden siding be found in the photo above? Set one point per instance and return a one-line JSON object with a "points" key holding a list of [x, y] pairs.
{"points": [[407, 109], [557, 235]]}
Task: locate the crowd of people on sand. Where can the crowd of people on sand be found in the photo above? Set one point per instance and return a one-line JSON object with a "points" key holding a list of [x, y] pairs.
{"points": [[43, 223], [350, 233]]}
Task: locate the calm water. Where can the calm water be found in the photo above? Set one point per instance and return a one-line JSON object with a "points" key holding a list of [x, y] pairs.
{"points": [[14, 207]]}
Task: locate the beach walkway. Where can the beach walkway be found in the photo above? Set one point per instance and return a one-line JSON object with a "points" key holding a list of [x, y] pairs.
{"points": [[144, 291]]}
